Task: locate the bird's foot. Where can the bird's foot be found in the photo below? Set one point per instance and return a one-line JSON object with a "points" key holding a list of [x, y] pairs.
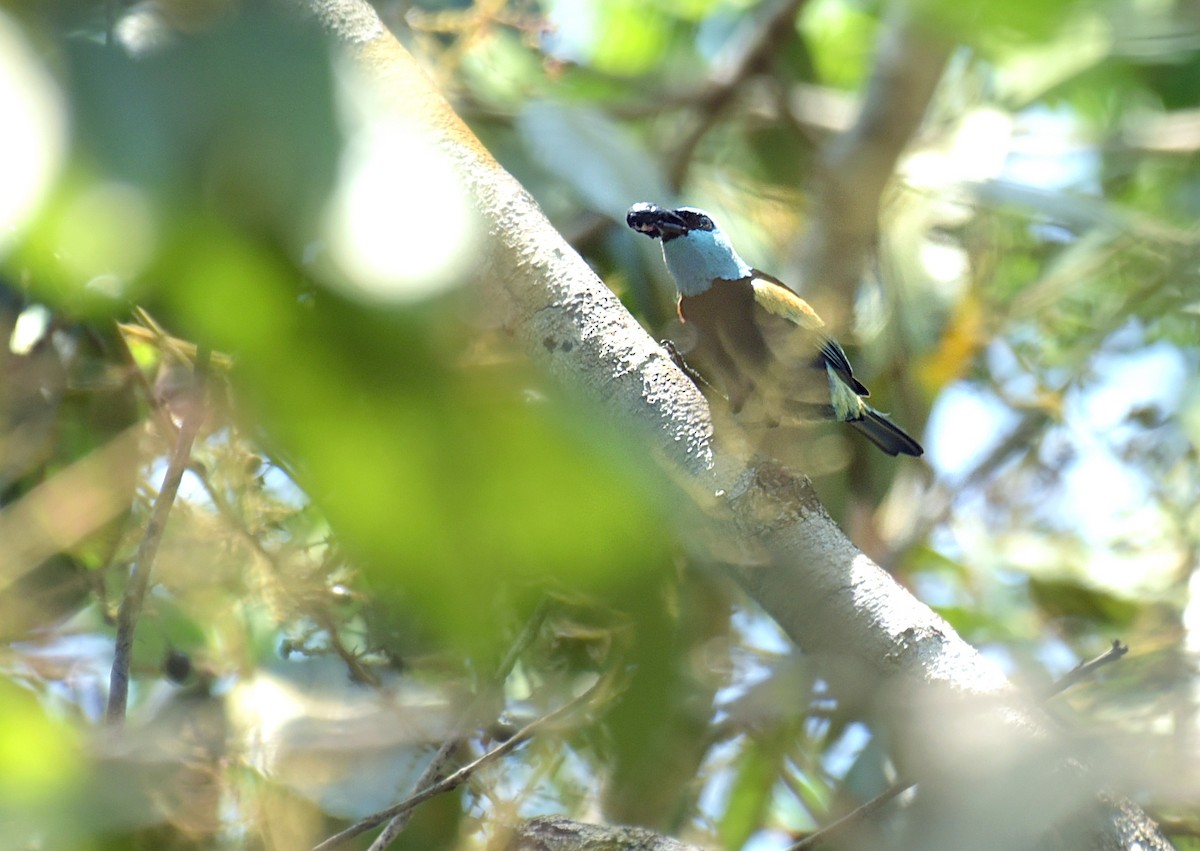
{"points": [[677, 358]]}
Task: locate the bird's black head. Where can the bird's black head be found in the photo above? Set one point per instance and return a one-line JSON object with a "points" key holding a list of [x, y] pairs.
{"points": [[658, 223]]}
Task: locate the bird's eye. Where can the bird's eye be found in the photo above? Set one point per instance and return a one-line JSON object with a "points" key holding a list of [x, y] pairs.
{"points": [[695, 220]]}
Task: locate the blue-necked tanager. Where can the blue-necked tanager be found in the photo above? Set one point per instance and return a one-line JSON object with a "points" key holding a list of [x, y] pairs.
{"points": [[753, 338]]}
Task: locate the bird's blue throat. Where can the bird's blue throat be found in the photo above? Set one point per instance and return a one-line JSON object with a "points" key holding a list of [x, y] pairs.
{"points": [[699, 257]]}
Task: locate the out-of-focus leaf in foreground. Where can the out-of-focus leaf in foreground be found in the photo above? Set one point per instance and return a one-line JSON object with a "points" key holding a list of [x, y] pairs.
{"points": [[442, 467], [39, 761]]}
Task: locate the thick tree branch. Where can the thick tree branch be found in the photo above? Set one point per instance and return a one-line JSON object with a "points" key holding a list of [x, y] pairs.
{"points": [[959, 728]]}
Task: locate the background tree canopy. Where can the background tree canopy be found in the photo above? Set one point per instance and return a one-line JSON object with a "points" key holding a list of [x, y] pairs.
{"points": [[394, 536]]}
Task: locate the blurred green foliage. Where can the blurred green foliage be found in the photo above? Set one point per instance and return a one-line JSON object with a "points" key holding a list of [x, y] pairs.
{"points": [[383, 491]]}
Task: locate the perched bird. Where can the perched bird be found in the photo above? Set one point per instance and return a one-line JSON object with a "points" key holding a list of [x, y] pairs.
{"points": [[755, 339]]}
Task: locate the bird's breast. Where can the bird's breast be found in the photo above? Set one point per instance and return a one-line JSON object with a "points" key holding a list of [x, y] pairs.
{"points": [[724, 310]]}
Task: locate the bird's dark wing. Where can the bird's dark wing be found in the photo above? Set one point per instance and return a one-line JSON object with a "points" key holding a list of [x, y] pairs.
{"points": [[778, 299], [836, 358], [725, 343]]}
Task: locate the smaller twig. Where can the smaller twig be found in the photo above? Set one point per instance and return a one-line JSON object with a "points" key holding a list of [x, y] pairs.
{"points": [[1084, 670], [869, 808], [139, 578], [452, 781], [148, 330], [520, 644], [436, 770], [359, 672], [774, 30], [123, 332]]}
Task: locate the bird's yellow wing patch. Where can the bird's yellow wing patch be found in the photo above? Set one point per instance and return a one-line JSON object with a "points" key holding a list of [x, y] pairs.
{"points": [[779, 300]]}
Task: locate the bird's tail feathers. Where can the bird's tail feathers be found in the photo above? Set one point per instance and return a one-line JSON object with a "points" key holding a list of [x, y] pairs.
{"points": [[886, 434], [874, 426]]}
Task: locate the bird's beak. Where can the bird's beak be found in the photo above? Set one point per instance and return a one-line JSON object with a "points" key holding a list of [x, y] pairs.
{"points": [[654, 221]]}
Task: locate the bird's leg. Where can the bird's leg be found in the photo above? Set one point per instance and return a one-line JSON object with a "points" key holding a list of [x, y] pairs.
{"points": [[677, 358]]}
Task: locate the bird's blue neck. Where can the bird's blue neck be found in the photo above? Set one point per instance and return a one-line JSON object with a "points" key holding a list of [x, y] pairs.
{"points": [[698, 258]]}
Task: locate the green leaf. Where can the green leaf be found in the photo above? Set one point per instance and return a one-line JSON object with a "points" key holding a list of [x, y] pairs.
{"points": [[758, 769], [39, 757]]}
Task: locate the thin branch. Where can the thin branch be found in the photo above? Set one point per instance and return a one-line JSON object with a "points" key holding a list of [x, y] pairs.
{"points": [[139, 578], [434, 777], [520, 644], [1085, 670], [162, 416], [857, 814], [436, 770], [712, 103]]}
